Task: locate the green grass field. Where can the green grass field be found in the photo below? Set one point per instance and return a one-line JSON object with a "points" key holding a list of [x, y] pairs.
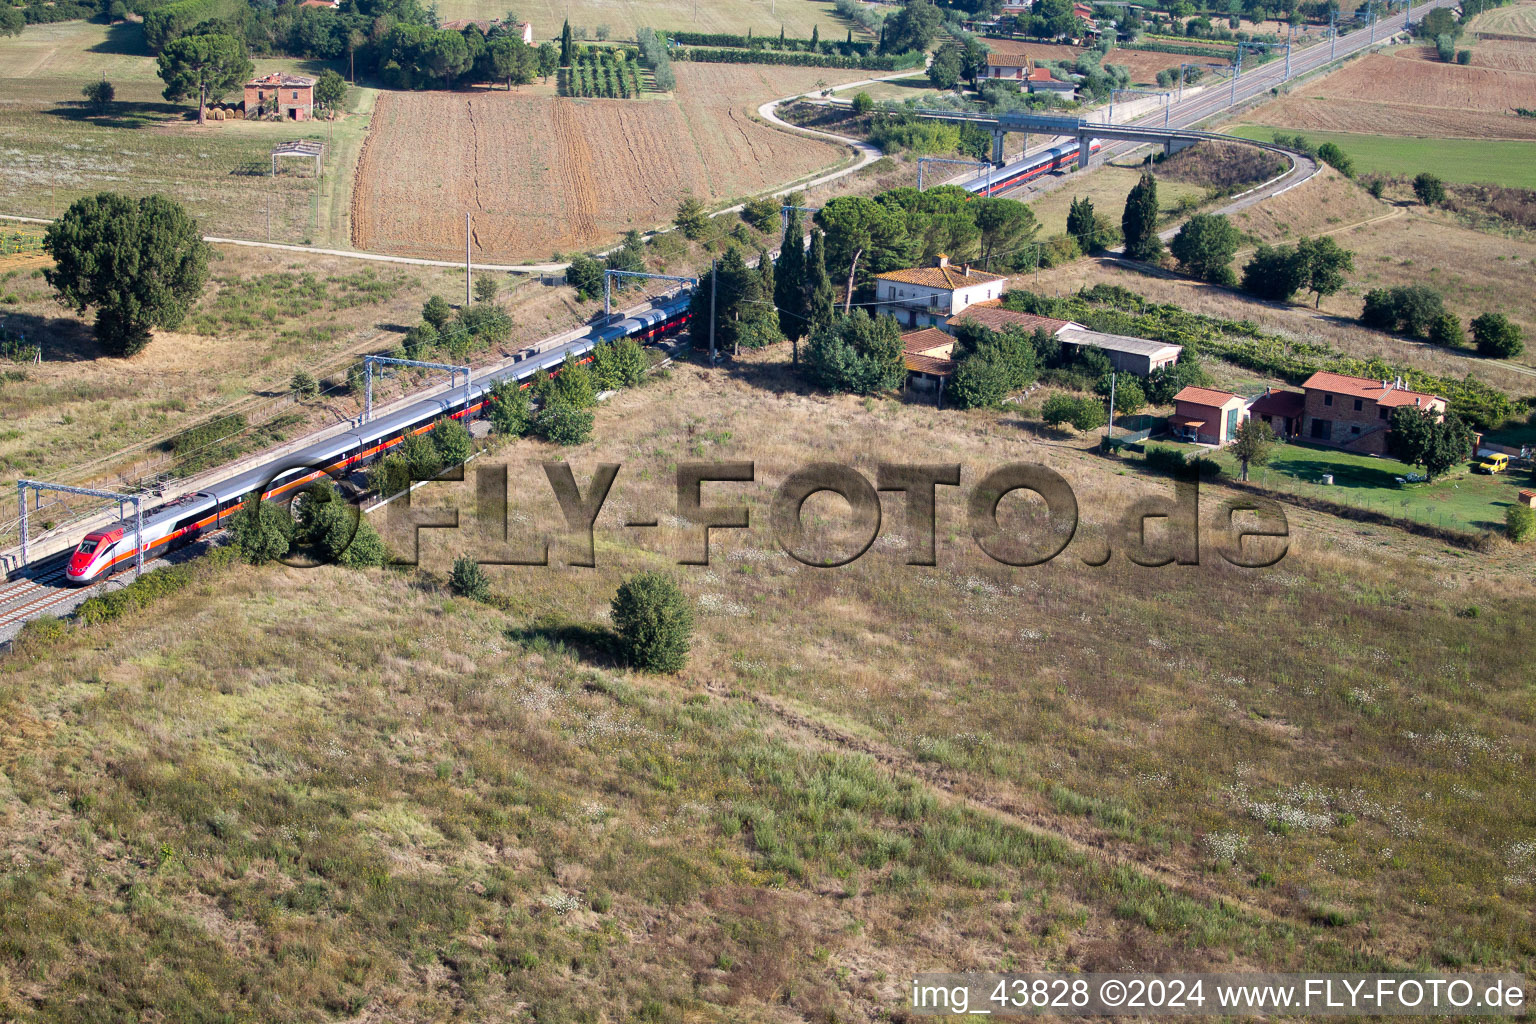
{"points": [[1459, 499], [1496, 162]]}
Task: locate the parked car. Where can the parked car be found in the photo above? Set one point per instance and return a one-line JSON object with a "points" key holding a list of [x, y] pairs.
{"points": [[1496, 463]]}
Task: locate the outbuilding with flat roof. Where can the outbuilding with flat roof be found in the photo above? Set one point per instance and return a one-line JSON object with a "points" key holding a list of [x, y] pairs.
{"points": [[1126, 355]]}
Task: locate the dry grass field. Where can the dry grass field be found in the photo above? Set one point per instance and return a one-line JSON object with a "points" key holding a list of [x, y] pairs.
{"points": [[623, 17], [1107, 187], [1394, 94], [52, 150], [77, 416], [1143, 64], [545, 174], [286, 795], [1323, 205]]}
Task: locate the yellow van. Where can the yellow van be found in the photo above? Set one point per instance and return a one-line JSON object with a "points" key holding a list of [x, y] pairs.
{"points": [[1496, 463]]}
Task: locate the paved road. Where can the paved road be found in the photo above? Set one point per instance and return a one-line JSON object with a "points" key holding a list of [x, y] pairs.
{"points": [[1199, 105]]}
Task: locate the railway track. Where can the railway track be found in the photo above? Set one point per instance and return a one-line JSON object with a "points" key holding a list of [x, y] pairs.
{"points": [[1218, 100]]}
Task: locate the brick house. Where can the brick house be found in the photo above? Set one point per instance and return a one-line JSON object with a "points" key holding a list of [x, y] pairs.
{"points": [[927, 296], [290, 97], [1354, 412], [1206, 416]]}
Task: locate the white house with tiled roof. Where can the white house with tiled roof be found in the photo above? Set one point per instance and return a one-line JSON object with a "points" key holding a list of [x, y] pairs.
{"points": [[927, 296]]}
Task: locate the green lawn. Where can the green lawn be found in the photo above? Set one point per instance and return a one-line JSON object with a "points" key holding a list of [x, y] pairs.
{"points": [[1459, 499], [1472, 161]]}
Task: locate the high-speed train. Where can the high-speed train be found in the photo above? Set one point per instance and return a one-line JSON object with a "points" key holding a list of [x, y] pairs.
{"points": [[105, 551], [1044, 162]]}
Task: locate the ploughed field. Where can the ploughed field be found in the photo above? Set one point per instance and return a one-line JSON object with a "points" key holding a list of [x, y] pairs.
{"points": [[1402, 94], [544, 174]]}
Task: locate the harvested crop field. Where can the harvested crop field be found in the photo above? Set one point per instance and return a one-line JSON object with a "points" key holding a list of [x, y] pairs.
{"points": [[1518, 20], [544, 174], [1448, 100], [1501, 56]]}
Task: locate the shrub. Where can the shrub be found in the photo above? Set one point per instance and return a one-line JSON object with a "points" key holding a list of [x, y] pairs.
{"points": [[262, 530], [1082, 413], [43, 631], [1411, 309], [1429, 189], [452, 441], [420, 340], [486, 288], [1519, 523], [421, 456], [304, 385], [469, 579], [390, 475], [1165, 460], [1336, 158], [1497, 337], [510, 411], [618, 364], [1463, 56], [1446, 330], [654, 622], [436, 311], [561, 423]]}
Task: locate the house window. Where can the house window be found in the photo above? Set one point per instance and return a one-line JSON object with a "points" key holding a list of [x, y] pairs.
{"points": [[1327, 399], [892, 293], [1382, 412], [1355, 430], [1359, 405]]}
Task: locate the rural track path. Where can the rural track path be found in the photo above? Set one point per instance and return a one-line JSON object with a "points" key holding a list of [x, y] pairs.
{"points": [[1173, 868]]}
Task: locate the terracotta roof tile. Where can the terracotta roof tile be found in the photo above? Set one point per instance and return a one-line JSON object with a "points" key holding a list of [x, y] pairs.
{"points": [[1367, 387], [926, 340], [948, 278], [929, 364], [1205, 396]]}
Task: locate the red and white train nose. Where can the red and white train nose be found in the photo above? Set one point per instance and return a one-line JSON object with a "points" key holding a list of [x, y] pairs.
{"points": [[92, 557]]}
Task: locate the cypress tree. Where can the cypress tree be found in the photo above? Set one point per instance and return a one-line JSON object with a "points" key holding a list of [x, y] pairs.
{"points": [[789, 291], [818, 286], [765, 275], [1139, 222], [850, 39], [781, 37], [565, 44], [815, 36], [1081, 224]]}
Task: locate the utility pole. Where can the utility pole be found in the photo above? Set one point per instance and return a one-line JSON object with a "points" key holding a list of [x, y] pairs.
{"points": [[269, 215], [1288, 38], [714, 282], [1333, 32], [1109, 427], [1370, 13]]}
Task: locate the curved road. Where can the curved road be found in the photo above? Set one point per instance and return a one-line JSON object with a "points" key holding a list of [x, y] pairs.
{"points": [[1214, 100]]}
